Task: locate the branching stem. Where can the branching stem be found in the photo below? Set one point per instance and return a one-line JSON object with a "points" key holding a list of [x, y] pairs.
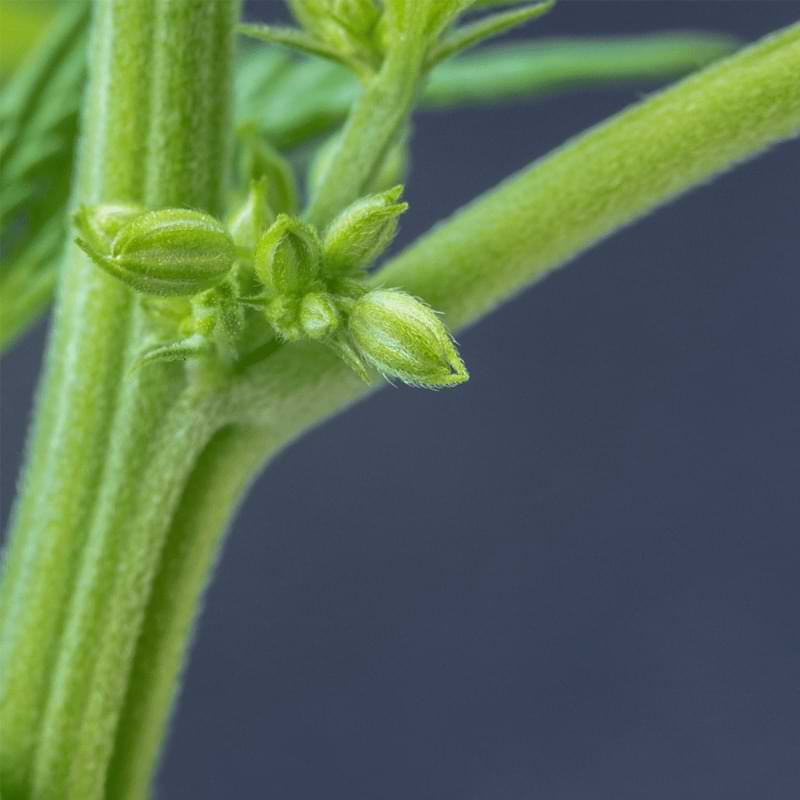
{"points": [[131, 481]]}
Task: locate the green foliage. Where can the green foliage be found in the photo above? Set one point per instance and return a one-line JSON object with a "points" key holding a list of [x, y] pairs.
{"points": [[308, 286], [476, 32], [156, 412], [281, 102], [38, 128]]}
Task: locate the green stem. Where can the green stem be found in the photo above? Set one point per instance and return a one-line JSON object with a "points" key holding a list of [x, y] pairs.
{"points": [[297, 101], [130, 482], [110, 453], [550, 212], [375, 121], [223, 472]]}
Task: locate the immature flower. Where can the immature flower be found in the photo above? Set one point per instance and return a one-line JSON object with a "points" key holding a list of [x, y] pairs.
{"points": [[174, 251], [100, 224], [362, 232], [252, 218], [403, 338], [283, 314], [344, 25], [288, 256], [258, 159], [319, 316]]}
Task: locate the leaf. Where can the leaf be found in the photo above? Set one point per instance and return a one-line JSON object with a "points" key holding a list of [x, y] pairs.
{"points": [[193, 347], [534, 69], [476, 32], [290, 37], [38, 130], [297, 39]]}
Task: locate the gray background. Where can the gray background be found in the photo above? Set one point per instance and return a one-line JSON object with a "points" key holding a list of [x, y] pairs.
{"points": [[577, 576]]}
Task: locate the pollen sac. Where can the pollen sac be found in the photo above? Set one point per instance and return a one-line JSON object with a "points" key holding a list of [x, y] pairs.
{"points": [[174, 251], [288, 257], [253, 218], [100, 224], [319, 316], [362, 232], [405, 339]]}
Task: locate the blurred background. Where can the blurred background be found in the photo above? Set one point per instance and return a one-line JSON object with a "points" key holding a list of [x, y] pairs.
{"points": [[574, 577]]}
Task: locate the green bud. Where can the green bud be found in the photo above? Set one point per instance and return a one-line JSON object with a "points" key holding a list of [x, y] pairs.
{"points": [[310, 13], [342, 24], [405, 339], [319, 316], [99, 225], [174, 251], [283, 313], [221, 308], [288, 256], [362, 232], [258, 159], [358, 16], [253, 218]]}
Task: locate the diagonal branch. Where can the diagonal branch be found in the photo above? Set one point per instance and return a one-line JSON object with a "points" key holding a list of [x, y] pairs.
{"points": [[558, 207]]}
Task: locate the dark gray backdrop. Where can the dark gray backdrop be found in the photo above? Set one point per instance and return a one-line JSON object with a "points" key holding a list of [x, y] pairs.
{"points": [[574, 577]]}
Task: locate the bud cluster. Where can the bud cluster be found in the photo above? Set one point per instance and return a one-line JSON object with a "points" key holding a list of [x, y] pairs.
{"points": [[360, 33], [304, 283], [345, 30]]}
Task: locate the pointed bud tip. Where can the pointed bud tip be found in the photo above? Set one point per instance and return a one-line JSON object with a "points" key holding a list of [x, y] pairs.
{"points": [[99, 225], [253, 217], [288, 256], [361, 232], [404, 338], [168, 252]]}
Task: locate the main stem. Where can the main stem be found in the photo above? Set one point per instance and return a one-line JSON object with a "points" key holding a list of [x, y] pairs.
{"points": [[111, 452]]}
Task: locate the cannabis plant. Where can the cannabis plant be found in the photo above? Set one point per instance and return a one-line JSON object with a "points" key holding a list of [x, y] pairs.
{"points": [[214, 259]]}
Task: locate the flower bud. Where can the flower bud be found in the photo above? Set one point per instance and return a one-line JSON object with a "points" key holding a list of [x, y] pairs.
{"points": [[254, 216], [362, 232], [174, 251], [258, 160], [283, 313], [319, 316], [100, 224], [403, 338], [357, 15], [288, 256], [342, 24]]}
